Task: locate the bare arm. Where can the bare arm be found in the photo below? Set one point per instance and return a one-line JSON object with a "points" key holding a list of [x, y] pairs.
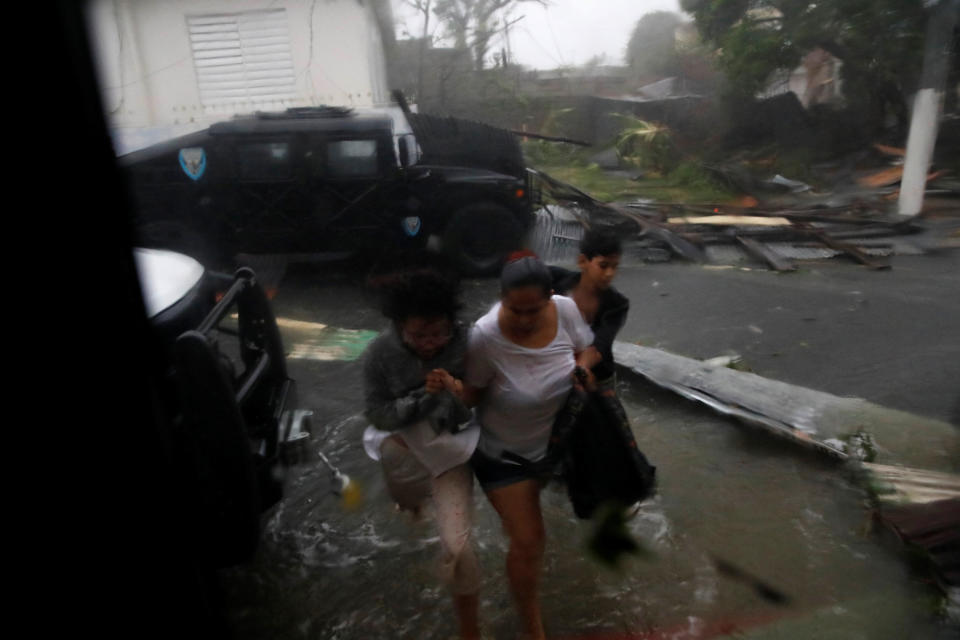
{"points": [[589, 358], [471, 395]]}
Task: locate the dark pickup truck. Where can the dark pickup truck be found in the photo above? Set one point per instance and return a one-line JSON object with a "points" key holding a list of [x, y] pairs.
{"points": [[328, 181]]}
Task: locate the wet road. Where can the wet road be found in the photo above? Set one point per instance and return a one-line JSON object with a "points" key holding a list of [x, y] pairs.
{"points": [[786, 516], [891, 337]]}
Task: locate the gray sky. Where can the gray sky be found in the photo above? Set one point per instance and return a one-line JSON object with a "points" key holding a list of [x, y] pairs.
{"points": [[569, 32]]}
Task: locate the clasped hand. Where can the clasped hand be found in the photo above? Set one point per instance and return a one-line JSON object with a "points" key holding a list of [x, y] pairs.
{"points": [[440, 379]]}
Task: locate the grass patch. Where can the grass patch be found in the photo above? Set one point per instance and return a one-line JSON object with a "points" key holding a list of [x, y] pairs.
{"points": [[685, 185]]}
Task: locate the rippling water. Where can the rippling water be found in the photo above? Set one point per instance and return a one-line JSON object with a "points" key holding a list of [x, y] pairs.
{"points": [[790, 518]]}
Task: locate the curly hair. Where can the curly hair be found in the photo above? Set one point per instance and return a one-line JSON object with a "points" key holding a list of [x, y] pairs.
{"points": [[424, 292]]}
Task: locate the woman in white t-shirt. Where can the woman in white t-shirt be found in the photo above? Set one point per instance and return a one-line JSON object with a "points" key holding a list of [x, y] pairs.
{"points": [[521, 358]]}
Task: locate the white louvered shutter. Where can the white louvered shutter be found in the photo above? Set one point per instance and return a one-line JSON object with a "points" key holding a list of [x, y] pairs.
{"points": [[242, 57]]}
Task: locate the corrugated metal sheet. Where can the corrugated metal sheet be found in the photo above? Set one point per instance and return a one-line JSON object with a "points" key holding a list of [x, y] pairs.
{"points": [[556, 235], [242, 57]]}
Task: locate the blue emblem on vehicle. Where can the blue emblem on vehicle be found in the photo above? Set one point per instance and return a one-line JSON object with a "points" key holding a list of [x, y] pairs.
{"points": [[193, 161], [411, 225]]}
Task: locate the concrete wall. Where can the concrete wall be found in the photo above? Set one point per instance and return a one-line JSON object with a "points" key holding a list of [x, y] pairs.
{"points": [[149, 81]]}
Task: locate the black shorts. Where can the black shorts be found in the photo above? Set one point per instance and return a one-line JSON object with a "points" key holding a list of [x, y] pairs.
{"points": [[495, 473]]}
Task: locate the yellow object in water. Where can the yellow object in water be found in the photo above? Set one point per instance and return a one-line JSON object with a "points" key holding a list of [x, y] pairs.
{"points": [[352, 495]]}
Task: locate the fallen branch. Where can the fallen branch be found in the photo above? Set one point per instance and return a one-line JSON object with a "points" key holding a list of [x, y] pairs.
{"points": [[540, 136]]}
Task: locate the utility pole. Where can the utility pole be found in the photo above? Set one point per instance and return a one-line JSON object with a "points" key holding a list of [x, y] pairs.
{"points": [[506, 34], [928, 104], [423, 48]]}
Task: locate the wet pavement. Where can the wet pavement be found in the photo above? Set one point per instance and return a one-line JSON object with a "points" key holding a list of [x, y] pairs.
{"points": [[890, 337], [790, 517]]}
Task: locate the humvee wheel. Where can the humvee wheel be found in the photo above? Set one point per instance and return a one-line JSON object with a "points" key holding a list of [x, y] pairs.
{"points": [[479, 237]]}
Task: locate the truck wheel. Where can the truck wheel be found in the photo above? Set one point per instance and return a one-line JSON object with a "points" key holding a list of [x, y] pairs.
{"points": [[479, 237]]}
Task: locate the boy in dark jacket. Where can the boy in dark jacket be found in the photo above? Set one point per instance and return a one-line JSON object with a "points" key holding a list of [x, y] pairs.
{"points": [[602, 464], [602, 306]]}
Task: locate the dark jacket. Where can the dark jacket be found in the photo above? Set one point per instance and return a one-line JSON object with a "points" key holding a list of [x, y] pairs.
{"points": [[394, 390], [610, 318]]}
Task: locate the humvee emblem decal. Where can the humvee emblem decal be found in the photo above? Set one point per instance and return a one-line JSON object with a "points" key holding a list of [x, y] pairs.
{"points": [[193, 161], [411, 225]]}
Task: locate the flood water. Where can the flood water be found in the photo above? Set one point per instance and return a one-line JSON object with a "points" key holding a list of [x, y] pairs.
{"points": [[792, 519]]}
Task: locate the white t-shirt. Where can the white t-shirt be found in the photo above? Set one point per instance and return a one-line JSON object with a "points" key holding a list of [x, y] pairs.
{"points": [[525, 388]]}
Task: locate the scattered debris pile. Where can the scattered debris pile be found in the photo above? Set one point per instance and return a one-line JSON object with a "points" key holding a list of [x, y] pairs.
{"points": [[922, 508], [777, 221], [715, 234]]}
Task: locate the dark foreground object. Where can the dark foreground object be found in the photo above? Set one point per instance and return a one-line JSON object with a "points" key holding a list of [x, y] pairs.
{"points": [[601, 463]]}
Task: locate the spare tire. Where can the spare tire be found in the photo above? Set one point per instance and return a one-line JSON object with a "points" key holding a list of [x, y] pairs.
{"points": [[479, 237]]}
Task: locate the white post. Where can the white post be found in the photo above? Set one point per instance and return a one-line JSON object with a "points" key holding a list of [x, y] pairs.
{"points": [[927, 105]]}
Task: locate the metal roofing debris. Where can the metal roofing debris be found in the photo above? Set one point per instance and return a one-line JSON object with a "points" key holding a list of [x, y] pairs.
{"points": [[810, 418], [709, 233], [933, 527]]}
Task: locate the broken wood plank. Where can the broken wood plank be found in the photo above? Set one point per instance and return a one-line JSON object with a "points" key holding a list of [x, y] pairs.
{"points": [[897, 484], [540, 136], [883, 178], [890, 151], [834, 215], [768, 255], [800, 233], [756, 221], [933, 528], [652, 229], [853, 251], [892, 176]]}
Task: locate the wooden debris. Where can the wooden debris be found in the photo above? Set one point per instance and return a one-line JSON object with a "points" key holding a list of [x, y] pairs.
{"points": [[894, 484], [650, 228], [892, 176], [540, 136], [934, 528], [768, 255], [883, 178], [890, 151], [686, 229], [756, 221], [853, 251]]}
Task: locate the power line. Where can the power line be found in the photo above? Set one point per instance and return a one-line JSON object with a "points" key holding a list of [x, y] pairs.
{"points": [[542, 48], [554, 37]]}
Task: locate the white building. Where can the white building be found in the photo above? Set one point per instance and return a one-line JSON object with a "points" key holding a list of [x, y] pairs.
{"points": [[168, 67]]}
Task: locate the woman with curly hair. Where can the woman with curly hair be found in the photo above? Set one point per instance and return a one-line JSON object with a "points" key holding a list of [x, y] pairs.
{"points": [[421, 431]]}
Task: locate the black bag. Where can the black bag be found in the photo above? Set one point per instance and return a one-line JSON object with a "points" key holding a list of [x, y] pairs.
{"points": [[599, 458]]}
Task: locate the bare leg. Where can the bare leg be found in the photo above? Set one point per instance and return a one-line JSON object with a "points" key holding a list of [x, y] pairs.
{"points": [[466, 606], [519, 508], [408, 482], [453, 505]]}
